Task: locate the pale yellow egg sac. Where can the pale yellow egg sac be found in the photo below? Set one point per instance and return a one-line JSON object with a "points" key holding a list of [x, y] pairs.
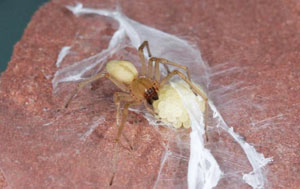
{"points": [[170, 107]]}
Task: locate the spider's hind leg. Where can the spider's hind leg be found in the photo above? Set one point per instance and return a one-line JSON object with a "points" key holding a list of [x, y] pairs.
{"points": [[82, 84], [100, 75]]}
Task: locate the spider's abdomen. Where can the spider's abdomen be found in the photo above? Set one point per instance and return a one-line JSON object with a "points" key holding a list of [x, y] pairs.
{"points": [[144, 88], [122, 70]]}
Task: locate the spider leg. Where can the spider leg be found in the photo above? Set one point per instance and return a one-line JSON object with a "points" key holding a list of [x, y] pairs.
{"points": [[117, 140], [119, 84], [124, 97], [118, 97], [82, 84], [123, 120], [187, 80], [147, 106], [142, 56], [150, 69], [166, 62], [195, 90], [100, 75]]}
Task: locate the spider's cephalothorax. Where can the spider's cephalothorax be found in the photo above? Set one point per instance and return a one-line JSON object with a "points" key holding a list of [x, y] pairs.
{"points": [[137, 89], [144, 88]]}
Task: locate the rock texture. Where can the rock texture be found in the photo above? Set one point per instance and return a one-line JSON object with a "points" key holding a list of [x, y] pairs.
{"points": [[254, 44]]}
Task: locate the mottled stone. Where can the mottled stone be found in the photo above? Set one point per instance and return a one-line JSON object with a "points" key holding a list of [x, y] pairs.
{"points": [[252, 47]]}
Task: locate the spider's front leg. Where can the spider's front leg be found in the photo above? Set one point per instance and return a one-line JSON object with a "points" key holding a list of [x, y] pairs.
{"points": [[194, 88], [166, 62], [149, 108], [142, 57], [188, 81]]}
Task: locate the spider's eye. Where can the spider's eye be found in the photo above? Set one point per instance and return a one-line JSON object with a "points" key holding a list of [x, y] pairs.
{"points": [[149, 90]]}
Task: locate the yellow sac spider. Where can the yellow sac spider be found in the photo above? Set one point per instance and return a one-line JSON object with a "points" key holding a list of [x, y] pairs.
{"points": [[137, 89]]}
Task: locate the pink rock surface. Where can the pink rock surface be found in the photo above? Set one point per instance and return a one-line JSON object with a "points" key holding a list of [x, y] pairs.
{"points": [[252, 48]]}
